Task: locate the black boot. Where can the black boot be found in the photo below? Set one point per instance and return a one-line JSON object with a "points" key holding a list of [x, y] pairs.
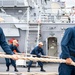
{"points": [[15, 69], [28, 69], [42, 69], [7, 68]]}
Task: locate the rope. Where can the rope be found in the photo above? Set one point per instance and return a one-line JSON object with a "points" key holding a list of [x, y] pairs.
{"points": [[37, 73], [43, 56], [36, 59], [29, 73]]}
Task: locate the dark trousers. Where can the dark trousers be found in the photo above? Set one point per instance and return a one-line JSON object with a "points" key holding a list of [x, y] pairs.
{"points": [[30, 63], [10, 61], [65, 69]]}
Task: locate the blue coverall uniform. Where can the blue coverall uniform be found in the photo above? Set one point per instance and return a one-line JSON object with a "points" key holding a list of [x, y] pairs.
{"points": [[10, 61], [36, 51], [4, 44], [68, 51]]}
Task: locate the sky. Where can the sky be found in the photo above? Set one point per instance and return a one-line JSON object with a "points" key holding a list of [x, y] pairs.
{"points": [[69, 3]]}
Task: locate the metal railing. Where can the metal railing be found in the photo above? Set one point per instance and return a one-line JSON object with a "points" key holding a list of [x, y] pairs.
{"points": [[46, 17]]}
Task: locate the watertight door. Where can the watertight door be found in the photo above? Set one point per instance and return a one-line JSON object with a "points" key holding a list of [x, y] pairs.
{"points": [[52, 46]]}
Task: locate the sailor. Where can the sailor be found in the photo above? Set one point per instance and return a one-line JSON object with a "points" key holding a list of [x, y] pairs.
{"points": [[68, 52], [15, 50], [4, 45], [36, 51]]}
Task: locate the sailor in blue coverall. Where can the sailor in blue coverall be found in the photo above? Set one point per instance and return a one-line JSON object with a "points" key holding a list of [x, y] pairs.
{"points": [[68, 52], [36, 51], [14, 49]]}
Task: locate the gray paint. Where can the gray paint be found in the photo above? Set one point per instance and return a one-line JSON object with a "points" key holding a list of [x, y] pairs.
{"points": [[20, 38], [53, 30], [47, 29]]}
